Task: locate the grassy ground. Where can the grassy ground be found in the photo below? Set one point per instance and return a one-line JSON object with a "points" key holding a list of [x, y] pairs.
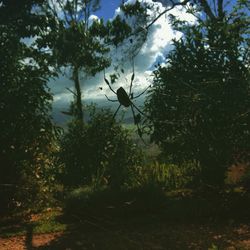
{"points": [[44, 222], [184, 219]]}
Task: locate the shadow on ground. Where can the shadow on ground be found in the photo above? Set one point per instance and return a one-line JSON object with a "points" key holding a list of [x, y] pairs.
{"points": [[178, 223]]}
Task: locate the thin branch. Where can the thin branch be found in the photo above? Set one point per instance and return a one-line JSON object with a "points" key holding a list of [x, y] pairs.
{"points": [[75, 10], [207, 9], [188, 85], [71, 12], [242, 115], [192, 13], [166, 10], [71, 91], [215, 9], [53, 9], [64, 12], [85, 14], [67, 113], [145, 29], [88, 14], [220, 9]]}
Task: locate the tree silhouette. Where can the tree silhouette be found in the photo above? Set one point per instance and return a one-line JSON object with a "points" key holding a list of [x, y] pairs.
{"points": [[199, 105], [25, 123]]}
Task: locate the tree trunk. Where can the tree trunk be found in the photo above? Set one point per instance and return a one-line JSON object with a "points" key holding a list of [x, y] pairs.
{"points": [[79, 108], [213, 171]]}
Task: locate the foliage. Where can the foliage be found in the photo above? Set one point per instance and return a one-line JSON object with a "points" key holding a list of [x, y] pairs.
{"points": [[44, 222], [166, 176], [25, 101], [199, 104], [100, 151], [117, 30], [213, 247], [245, 180], [80, 43], [75, 43]]}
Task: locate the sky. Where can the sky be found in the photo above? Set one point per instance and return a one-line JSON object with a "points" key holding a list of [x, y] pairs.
{"points": [[154, 50], [108, 8]]}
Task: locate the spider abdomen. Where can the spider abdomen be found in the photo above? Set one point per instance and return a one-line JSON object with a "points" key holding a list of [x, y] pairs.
{"points": [[123, 97]]}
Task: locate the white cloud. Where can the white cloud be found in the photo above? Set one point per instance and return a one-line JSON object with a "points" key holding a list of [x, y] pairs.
{"points": [[155, 49], [93, 18], [157, 45]]}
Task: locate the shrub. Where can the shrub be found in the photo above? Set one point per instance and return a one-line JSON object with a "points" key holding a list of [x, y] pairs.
{"points": [[99, 151], [167, 176], [36, 184]]}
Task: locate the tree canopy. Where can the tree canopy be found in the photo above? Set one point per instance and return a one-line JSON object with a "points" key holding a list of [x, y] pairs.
{"points": [[199, 104]]}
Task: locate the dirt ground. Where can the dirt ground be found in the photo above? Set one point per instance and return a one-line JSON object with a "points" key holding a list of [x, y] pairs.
{"points": [[20, 242], [160, 236], [179, 223]]}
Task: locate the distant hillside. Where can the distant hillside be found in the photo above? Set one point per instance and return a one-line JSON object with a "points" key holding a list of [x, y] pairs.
{"points": [[125, 114]]}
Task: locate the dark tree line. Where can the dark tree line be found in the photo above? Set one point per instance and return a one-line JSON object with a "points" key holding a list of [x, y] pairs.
{"points": [[25, 101]]}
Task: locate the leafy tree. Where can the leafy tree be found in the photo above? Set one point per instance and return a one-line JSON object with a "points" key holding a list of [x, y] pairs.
{"points": [[199, 104], [80, 45], [25, 123]]}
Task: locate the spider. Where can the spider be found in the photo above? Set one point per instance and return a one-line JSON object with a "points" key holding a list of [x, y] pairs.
{"points": [[126, 99]]}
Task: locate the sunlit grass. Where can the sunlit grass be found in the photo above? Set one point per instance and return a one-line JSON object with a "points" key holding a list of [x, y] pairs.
{"points": [[45, 222]]}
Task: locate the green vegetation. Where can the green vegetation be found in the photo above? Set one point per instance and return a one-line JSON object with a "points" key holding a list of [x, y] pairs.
{"points": [[199, 105], [96, 182], [99, 152], [25, 124], [44, 222]]}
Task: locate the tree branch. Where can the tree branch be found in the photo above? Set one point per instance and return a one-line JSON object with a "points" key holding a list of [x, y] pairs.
{"points": [[72, 92], [174, 4], [220, 9], [207, 9]]}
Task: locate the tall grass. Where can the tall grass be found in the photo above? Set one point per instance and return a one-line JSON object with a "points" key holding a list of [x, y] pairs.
{"points": [[166, 176]]}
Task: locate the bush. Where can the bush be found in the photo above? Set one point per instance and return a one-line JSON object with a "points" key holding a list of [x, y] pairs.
{"points": [[36, 184], [100, 151]]}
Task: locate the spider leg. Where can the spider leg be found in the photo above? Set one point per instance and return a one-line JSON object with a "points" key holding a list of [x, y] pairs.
{"points": [[137, 125], [111, 99], [142, 92], [116, 111], [132, 79], [107, 82], [132, 104]]}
